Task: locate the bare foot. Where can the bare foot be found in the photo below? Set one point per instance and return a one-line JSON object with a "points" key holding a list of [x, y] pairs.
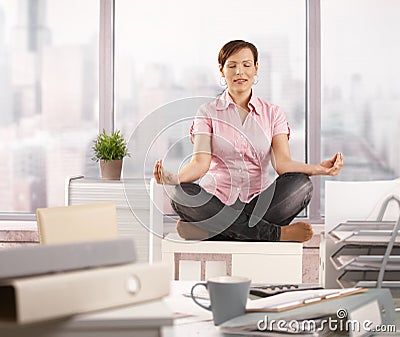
{"points": [[188, 231], [298, 232]]}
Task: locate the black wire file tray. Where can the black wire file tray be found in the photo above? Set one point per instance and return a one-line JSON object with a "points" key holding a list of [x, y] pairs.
{"points": [[363, 253]]}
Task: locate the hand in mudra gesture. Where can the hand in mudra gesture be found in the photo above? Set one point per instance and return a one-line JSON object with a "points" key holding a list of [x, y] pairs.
{"points": [[162, 176], [332, 167]]}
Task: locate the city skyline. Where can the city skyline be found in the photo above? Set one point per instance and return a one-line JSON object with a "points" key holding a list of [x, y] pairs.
{"points": [[50, 112]]}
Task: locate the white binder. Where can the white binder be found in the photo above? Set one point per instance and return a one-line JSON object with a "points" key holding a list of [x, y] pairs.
{"points": [[44, 259], [32, 299]]}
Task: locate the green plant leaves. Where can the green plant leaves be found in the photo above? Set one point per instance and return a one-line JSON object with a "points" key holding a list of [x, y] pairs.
{"points": [[110, 147]]}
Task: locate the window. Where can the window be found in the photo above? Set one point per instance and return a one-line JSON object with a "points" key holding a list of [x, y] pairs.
{"points": [[361, 87], [49, 98], [165, 62], [167, 51]]}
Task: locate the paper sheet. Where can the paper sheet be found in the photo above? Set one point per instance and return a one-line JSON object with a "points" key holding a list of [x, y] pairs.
{"points": [[185, 310], [293, 299]]}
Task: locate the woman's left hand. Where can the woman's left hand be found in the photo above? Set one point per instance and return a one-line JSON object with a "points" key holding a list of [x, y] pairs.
{"points": [[332, 167]]}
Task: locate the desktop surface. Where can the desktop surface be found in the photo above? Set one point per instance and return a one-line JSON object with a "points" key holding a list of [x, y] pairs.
{"points": [[193, 321], [174, 316]]}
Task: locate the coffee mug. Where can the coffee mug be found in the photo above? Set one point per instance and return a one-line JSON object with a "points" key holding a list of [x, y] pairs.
{"points": [[228, 296]]}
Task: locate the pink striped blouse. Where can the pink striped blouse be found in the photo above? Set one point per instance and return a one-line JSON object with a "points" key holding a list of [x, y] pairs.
{"points": [[241, 153]]}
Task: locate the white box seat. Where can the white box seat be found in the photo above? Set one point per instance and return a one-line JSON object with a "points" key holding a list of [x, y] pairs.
{"points": [[271, 262], [262, 262]]}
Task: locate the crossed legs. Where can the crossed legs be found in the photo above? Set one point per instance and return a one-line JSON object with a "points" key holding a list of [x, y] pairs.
{"points": [[265, 218]]}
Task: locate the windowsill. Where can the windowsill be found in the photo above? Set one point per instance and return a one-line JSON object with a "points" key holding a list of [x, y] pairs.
{"points": [[32, 226], [7, 225], [318, 228]]}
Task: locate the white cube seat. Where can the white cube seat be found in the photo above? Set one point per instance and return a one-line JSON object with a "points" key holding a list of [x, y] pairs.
{"points": [[266, 262], [262, 262]]}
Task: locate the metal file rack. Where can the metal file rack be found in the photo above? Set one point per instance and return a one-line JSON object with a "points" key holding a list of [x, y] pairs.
{"points": [[363, 253]]}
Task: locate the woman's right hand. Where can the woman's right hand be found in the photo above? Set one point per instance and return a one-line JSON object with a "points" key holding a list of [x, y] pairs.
{"points": [[162, 176]]}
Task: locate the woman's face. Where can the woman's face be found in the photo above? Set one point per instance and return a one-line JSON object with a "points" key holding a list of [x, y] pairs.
{"points": [[239, 71]]}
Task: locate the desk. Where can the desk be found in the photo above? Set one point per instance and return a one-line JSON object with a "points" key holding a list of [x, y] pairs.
{"points": [[201, 323], [198, 325], [150, 319]]}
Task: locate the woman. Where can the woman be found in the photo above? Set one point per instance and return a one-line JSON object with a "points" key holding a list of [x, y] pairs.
{"points": [[235, 139]]}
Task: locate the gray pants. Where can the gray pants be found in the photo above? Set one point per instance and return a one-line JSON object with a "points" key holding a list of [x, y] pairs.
{"points": [[259, 220]]}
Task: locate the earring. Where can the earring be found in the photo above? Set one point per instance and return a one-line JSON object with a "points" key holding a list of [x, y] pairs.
{"points": [[255, 79], [222, 81]]}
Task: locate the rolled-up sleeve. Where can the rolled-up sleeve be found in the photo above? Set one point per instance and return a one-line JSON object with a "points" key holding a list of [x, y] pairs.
{"points": [[202, 124], [280, 124]]}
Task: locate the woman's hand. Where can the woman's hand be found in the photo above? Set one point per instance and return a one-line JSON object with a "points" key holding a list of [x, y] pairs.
{"points": [[332, 167], [164, 177]]}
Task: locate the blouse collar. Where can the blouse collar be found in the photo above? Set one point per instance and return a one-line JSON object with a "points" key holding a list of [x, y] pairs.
{"points": [[224, 100]]}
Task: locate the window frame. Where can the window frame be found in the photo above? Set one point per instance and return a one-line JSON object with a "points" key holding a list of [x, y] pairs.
{"points": [[313, 102], [312, 97]]}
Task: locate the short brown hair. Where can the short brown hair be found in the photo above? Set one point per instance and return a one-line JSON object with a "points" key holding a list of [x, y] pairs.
{"points": [[232, 47]]}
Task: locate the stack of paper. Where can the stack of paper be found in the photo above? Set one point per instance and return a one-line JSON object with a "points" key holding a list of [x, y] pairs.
{"points": [[53, 281], [138, 320], [132, 199]]}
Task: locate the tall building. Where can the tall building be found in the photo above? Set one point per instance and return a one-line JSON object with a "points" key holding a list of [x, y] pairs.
{"points": [[278, 83], [63, 89], [29, 37], [6, 185], [65, 158], [5, 78], [29, 168]]}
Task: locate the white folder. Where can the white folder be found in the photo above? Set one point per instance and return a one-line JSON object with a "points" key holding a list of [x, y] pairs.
{"points": [[32, 299]]}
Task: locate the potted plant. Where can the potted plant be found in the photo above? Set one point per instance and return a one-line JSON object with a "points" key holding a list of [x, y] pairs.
{"points": [[110, 151]]}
